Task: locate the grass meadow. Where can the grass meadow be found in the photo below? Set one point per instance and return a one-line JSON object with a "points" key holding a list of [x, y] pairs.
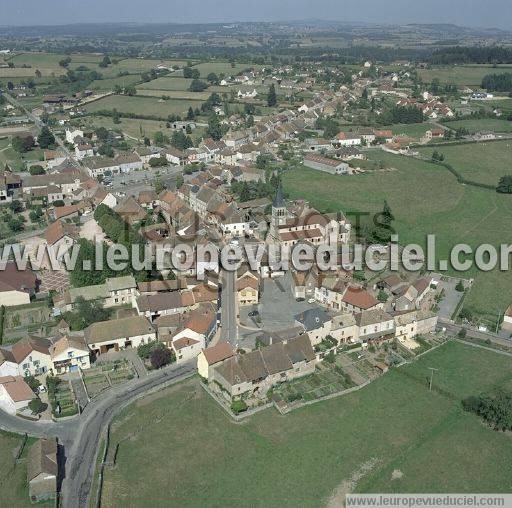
{"points": [[425, 199], [479, 162], [143, 105], [305, 458]]}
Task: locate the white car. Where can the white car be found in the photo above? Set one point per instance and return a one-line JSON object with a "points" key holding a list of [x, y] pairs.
{"points": [[311, 300]]}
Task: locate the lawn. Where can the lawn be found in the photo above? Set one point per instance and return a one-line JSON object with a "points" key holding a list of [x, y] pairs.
{"points": [[301, 459], [470, 75], [13, 476], [425, 199], [143, 105], [479, 162]]}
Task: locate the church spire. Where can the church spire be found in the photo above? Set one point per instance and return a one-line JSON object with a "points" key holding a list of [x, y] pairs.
{"points": [[279, 199]]}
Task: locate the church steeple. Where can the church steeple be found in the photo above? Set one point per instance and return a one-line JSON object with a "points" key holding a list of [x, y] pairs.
{"points": [[278, 212], [278, 198]]}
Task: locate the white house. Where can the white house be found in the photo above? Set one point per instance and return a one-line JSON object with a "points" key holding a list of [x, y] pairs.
{"points": [[31, 355], [69, 354], [71, 135], [15, 394]]}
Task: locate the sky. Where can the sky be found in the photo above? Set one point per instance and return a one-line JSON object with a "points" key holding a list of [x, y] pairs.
{"points": [[472, 13]]}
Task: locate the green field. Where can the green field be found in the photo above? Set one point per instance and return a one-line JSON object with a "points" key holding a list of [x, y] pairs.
{"points": [[13, 477], [110, 83], [167, 83], [414, 130], [173, 94], [484, 124], [143, 105], [460, 75], [425, 199], [302, 459], [133, 127], [222, 68], [136, 66], [479, 162]]}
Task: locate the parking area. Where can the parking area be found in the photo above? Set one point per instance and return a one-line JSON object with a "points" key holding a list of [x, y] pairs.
{"points": [[136, 181], [277, 306], [452, 297]]}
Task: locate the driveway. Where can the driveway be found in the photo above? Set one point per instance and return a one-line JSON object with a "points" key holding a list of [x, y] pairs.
{"points": [[79, 391], [451, 299]]}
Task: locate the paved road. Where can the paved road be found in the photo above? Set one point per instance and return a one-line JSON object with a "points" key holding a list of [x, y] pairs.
{"points": [[81, 436], [229, 327], [454, 328], [81, 457], [38, 122]]}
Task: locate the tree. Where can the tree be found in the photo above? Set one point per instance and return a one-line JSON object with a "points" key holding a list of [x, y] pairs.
{"points": [[102, 134], [65, 62], [331, 128], [158, 185], [116, 117], [459, 287], [179, 180], [85, 313], [272, 96], [213, 78], [382, 296], [198, 86], [190, 73], [36, 406], [15, 224], [505, 185], [105, 62], [16, 206], [145, 350], [45, 138], [35, 214], [180, 140], [22, 144], [36, 169], [215, 129], [160, 357], [32, 382], [190, 114], [382, 229], [106, 150], [159, 138], [437, 156]]}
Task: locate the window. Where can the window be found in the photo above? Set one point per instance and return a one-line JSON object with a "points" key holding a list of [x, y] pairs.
{"points": [[70, 354]]}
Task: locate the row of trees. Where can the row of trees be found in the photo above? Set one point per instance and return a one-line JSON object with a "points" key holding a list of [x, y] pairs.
{"points": [[498, 82], [495, 409]]}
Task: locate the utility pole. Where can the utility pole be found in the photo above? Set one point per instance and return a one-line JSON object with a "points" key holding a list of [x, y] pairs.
{"points": [[432, 376]]}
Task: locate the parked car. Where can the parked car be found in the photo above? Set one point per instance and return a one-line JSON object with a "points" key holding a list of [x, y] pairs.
{"points": [[311, 300], [253, 313]]}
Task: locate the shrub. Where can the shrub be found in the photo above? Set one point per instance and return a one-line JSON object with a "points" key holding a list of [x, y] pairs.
{"points": [[145, 350], [160, 357], [36, 406], [238, 406], [32, 382]]}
